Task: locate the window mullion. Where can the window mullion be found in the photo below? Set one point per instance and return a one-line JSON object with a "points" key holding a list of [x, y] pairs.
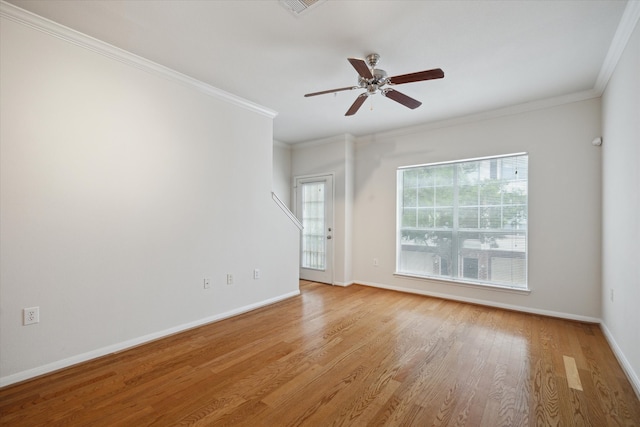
{"points": [[455, 253]]}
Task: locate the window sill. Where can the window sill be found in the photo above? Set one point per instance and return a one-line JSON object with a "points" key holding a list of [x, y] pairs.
{"points": [[475, 285]]}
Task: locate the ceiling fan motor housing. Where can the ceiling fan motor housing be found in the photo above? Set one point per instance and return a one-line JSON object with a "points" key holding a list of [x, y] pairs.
{"points": [[379, 79], [379, 76]]}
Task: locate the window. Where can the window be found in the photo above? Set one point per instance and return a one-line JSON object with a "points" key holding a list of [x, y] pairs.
{"points": [[465, 221]]}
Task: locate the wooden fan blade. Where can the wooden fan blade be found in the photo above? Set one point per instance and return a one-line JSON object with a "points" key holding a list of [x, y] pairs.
{"points": [[332, 90], [357, 104], [361, 67], [403, 99], [436, 73]]}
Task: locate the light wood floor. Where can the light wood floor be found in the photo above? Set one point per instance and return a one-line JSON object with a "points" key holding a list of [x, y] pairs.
{"points": [[346, 356]]}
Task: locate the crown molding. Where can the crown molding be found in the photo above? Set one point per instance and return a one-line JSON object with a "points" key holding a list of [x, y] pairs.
{"points": [[77, 38], [627, 24], [482, 116], [341, 138]]}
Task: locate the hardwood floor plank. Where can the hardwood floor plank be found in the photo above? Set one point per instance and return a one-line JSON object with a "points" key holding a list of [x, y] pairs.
{"points": [[571, 371], [377, 380], [436, 376], [351, 356]]}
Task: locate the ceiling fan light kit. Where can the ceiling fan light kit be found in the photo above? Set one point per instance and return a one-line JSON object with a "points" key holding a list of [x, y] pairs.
{"points": [[373, 80]]}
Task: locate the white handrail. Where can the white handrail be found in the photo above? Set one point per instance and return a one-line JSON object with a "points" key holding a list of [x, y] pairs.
{"points": [[286, 210]]}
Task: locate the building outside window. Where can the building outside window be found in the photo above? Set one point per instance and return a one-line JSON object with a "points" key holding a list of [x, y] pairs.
{"points": [[465, 221]]}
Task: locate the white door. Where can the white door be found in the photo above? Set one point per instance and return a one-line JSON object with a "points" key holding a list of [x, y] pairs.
{"points": [[314, 209]]}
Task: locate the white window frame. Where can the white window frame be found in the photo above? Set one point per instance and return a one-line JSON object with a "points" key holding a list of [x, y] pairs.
{"points": [[458, 250]]}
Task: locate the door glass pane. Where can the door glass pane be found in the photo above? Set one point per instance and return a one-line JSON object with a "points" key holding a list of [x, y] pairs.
{"points": [[313, 221]]}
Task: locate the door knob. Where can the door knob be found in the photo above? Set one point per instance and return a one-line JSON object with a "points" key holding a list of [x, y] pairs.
{"points": [[328, 237]]}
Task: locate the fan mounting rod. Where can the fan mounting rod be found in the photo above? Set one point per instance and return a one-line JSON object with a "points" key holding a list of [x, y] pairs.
{"points": [[373, 59]]}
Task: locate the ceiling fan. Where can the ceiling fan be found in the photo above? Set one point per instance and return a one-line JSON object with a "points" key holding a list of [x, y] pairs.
{"points": [[374, 80]]}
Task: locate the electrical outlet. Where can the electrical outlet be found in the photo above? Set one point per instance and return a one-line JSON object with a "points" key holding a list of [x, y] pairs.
{"points": [[229, 279], [30, 315], [207, 283], [256, 273]]}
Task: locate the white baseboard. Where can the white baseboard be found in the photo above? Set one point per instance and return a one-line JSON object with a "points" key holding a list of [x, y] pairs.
{"points": [[626, 366], [343, 284], [74, 360], [549, 313]]}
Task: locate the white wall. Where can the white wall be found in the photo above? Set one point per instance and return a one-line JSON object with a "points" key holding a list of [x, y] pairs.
{"points": [[282, 172], [121, 189], [333, 156], [564, 194], [621, 209], [564, 204]]}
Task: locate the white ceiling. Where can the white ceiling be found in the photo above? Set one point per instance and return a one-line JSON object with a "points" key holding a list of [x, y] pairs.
{"points": [[494, 54]]}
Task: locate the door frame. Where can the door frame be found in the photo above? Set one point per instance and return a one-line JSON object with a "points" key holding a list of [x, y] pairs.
{"points": [[330, 219]]}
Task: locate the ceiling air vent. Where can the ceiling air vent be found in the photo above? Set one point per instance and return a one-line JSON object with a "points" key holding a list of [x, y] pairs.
{"points": [[299, 7]]}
